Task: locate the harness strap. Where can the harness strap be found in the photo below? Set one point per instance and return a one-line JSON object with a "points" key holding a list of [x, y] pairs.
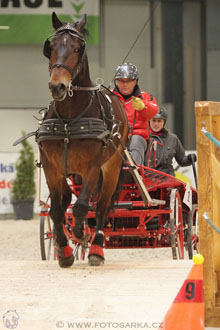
{"points": [[61, 65], [80, 88], [64, 159], [53, 129], [83, 128], [23, 138]]}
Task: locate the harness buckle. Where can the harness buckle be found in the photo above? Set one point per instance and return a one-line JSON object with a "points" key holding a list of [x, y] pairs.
{"points": [[70, 88], [115, 130], [99, 82]]}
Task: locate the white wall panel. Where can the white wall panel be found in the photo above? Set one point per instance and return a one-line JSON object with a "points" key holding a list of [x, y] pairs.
{"points": [[24, 77], [121, 26]]}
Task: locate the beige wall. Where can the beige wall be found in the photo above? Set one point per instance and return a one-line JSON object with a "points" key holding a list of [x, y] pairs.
{"points": [[24, 69]]}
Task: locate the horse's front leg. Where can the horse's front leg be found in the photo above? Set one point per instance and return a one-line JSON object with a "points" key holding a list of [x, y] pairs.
{"points": [[81, 206], [96, 253], [111, 172], [59, 203]]}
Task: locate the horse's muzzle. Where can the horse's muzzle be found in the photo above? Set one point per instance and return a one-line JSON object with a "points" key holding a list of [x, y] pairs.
{"points": [[58, 91]]}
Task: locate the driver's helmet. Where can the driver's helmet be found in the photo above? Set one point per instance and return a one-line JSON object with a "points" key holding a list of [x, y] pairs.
{"points": [[162, 114], [126, 70]]}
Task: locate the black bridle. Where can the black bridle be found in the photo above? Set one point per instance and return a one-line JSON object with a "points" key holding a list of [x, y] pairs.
{"points": [[67, 28]]}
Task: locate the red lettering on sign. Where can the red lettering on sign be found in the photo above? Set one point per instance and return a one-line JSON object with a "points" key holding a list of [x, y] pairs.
{"points": [[5, 184]]}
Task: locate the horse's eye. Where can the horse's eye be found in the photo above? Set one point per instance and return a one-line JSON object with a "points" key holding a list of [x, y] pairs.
{"points": [[76, 50]]}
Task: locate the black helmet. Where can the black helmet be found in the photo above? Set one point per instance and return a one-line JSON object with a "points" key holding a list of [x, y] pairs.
{"points": [[127, 70], [162, 114]]}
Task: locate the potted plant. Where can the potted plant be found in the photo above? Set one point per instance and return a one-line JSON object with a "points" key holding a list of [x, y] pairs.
{"points": [[23, 186]]}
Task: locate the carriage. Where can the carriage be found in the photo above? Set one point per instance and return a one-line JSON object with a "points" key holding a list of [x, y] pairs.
{"points": [[169, 218]]}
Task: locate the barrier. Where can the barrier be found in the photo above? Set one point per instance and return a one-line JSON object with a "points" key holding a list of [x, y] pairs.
{"points": [[208, 156], [187, 309]]}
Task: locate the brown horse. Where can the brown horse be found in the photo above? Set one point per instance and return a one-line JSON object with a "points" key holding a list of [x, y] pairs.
{"points": [[79, 134]]}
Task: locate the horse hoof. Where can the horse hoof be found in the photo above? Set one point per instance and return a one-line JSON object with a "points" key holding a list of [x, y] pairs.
{"points": [[65, 256], [66, 262], [96, 255], [95, 260]]}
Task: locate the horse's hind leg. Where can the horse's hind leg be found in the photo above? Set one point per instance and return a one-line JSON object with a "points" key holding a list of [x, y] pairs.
{"points": [[59, 202], [111, 173]]}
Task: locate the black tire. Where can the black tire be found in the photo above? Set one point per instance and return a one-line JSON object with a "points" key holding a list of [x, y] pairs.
{"points": [[46, 238], [192, 232], [172, 224], [176, 225]]}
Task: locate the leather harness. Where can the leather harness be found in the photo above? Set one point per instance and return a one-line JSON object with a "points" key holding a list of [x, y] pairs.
{"points": [[78, 127]]}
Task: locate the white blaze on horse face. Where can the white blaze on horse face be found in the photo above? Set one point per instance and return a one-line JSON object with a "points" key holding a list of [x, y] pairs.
{"points": [[64, 41], [59, 83]]}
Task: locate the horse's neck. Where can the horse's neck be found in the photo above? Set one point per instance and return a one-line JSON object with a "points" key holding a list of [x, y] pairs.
{"points": [[83, 79]]}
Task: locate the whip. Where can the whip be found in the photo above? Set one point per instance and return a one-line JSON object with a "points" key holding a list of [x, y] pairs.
{"points": [[136, 39]]}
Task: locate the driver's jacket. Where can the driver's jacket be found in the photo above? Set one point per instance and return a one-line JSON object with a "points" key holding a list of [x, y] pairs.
{"points": [[160, 153], [138, 120]]}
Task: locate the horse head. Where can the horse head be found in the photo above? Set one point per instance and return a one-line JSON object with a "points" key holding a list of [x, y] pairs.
{"points": [[65, 52]]}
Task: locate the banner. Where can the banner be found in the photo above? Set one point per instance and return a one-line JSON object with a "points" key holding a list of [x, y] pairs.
{"points": [[7, 174], [29, 21]]}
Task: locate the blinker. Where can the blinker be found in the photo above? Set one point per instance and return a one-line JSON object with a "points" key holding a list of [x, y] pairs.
{"points": [[46, 49]]}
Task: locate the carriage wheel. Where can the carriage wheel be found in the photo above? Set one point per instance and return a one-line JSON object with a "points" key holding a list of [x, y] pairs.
{"points": [[47, 247], [192, 231], [176, 225]]}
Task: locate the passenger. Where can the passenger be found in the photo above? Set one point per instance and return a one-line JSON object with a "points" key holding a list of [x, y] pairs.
{"points": [[165, 147], [140, 108]]}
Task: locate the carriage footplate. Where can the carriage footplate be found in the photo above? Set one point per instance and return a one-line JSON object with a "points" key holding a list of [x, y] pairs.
{"points": [[156, 202]]}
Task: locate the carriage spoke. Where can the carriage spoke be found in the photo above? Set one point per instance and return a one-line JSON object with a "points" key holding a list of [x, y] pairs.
{"points": [[176, 225]]}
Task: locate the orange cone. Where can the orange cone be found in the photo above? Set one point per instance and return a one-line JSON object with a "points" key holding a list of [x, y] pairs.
{"points": [[187, 309]]}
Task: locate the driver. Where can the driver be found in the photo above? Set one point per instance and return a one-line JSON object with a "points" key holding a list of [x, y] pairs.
{"points": [[140, 107]]}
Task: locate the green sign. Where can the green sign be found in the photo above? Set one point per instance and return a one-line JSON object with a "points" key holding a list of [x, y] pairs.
{"points": [[29, 21]]}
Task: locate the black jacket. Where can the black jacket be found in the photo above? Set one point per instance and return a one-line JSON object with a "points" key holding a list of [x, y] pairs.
{"points": [[160, 153]]}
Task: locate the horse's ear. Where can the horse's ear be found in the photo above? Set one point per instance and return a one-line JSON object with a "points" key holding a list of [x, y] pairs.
{"points": [[56, 22], [80, 25]]}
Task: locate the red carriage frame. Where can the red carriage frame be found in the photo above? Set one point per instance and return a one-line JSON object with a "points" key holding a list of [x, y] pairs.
{"points": [[164, 221]]}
